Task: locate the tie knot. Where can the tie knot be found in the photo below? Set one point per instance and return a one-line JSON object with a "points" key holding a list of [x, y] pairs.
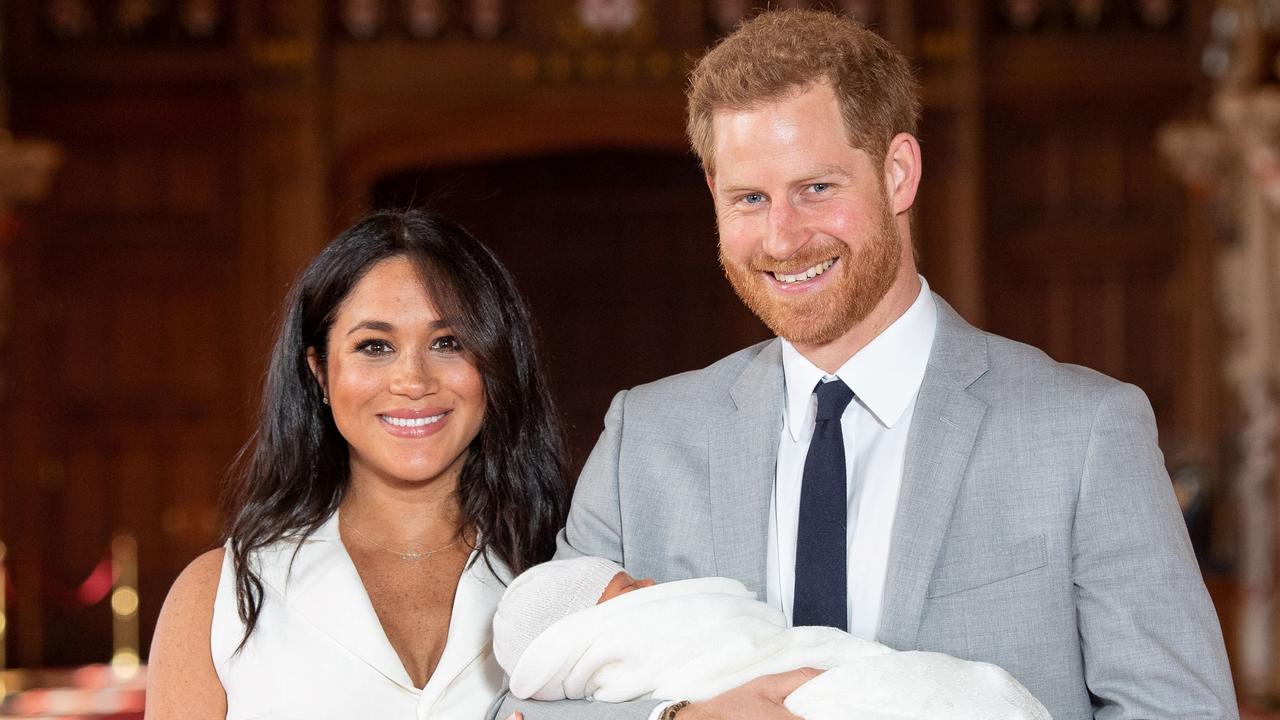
{"points": [[833, 398]]}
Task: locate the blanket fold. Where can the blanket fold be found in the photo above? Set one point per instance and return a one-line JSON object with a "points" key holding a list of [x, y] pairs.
{"points": [[694, 639]]}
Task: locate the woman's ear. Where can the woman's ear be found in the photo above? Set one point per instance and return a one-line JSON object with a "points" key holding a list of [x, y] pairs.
{"points": [[317, 371]]}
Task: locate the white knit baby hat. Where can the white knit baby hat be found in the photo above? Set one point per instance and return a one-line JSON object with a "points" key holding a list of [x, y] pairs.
{"points": [[543, 595]]}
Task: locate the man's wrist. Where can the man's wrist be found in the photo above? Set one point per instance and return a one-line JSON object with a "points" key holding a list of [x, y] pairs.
{"points": [[669, 712]]}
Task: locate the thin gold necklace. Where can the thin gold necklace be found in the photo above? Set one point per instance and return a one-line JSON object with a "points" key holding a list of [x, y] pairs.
{"points": [[407, 556]]}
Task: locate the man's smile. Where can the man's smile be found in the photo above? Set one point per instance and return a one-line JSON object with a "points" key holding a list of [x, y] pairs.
{"points": [[808, 274]]}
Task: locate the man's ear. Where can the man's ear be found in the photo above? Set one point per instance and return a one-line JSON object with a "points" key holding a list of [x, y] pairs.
{"points": [[902, 172], [317, 370], [711, 183]]}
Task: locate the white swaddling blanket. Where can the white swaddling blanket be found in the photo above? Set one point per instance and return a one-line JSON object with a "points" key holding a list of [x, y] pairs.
{"points": [[694, 639]]}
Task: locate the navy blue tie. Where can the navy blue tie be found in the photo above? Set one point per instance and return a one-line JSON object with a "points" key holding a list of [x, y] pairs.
{"points": [[821, 559]]}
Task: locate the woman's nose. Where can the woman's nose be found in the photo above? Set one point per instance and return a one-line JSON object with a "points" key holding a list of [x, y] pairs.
{"points": [[413, 377]]}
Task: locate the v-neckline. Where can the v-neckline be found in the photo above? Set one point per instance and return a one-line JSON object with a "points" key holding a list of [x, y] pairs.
{"points": [[320, 583], [372, 613]]}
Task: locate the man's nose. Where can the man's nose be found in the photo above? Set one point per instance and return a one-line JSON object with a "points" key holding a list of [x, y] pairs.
{"points": [[785, 233]]}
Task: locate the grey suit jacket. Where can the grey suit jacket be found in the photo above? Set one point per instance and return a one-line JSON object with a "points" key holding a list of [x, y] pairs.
{"points": [[1036, 527]]}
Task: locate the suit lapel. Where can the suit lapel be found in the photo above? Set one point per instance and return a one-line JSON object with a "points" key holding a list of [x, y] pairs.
{"points": [[944, 427], [743, 449]]}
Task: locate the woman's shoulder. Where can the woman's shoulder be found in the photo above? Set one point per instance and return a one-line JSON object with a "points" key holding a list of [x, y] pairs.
{"points": [[187, 612], [181, 674], [202, 573], [190, 600]]}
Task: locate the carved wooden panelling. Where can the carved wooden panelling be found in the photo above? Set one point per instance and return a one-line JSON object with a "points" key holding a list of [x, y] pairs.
{"points": [[1084, 241], [128, 295], [135, 21]]}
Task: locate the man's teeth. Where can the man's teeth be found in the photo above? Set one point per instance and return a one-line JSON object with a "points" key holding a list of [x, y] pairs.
{"points": [[412, 422], [807, 274]]}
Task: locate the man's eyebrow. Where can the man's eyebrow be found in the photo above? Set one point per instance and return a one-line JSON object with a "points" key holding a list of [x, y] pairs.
{"points": [[825, 170], [384, 326], [831, 170]]}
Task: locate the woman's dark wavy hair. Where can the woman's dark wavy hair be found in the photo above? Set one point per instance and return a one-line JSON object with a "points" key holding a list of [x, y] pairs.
{"points": [[293, 473]]}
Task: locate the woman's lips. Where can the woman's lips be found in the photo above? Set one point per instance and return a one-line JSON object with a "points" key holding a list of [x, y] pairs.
{"points": [[414, 423]]}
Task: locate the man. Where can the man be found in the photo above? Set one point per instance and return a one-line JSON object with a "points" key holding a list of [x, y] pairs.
{"points": [[987, 502]]}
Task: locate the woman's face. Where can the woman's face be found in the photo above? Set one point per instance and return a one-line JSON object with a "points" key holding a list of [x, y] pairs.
{"points": [[402, 390]]}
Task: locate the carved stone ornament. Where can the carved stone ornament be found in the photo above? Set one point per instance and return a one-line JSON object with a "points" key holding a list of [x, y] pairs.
{"points": [[726, 14], [864, 11], [486, 18], [136, 18], [201, 19], [362, 19], [69, 19], [1156, 13], [609, 17], [1088, 13], [1023, 14], [1233, 159], [425, 18]]}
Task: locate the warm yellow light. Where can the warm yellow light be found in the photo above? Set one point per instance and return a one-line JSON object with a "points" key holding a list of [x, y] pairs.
{"points": [[125, 663], [124, 601], [3, 624]]}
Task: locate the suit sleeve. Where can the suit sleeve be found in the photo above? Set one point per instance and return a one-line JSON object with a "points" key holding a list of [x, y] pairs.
{"points": [[1149, 634], [594, 528]]}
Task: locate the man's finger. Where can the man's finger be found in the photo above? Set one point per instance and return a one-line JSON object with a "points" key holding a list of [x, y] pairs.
{"points": [[778, 687], [515, 716]]}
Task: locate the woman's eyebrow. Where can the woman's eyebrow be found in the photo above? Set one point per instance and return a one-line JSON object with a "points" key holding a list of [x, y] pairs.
{"points": [[384, 326], [378, 325]]}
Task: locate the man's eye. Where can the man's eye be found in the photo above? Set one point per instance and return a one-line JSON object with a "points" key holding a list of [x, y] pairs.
{"points": [[374, 347], [753, 198], [820, 187], [447, 343]]}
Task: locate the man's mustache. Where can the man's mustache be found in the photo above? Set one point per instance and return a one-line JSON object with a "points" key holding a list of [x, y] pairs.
{"points": [[806, 258]]}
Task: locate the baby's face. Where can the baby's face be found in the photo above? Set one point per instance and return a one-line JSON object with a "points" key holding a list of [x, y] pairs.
{"points": [[621, 584]]}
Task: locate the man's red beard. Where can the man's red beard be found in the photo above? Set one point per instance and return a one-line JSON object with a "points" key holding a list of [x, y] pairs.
{"points": [[860, 283]]}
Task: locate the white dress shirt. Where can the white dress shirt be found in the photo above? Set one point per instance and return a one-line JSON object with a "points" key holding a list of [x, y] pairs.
{"points": [[885, 377]]}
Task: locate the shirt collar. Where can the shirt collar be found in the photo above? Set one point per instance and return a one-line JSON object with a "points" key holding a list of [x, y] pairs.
{"points": [[885, 375]]}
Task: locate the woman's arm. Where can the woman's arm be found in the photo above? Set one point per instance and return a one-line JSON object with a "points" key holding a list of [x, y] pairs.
{"points": [[181, 681]]}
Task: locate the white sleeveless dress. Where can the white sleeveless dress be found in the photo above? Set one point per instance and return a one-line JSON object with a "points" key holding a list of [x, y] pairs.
{"points": [[319, 652]]}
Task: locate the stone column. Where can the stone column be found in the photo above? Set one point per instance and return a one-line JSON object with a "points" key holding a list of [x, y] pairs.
{"points": [[1234, 160]]}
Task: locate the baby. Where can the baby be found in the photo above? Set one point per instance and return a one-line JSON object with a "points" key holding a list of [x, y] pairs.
{"points": [[585, 629]]}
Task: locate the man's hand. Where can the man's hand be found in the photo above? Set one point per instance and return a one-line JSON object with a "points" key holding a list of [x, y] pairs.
{"points": [[760, 699]]}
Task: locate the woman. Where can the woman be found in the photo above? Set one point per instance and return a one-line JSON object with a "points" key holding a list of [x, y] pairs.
{"points": [[407, 461]]}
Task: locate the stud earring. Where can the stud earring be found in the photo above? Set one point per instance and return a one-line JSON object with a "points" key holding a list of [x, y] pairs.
{"points": [[325, 399]]}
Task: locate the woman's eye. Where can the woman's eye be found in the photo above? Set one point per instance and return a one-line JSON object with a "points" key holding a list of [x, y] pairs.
{"points": [[447, 343], [374, 347]]}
